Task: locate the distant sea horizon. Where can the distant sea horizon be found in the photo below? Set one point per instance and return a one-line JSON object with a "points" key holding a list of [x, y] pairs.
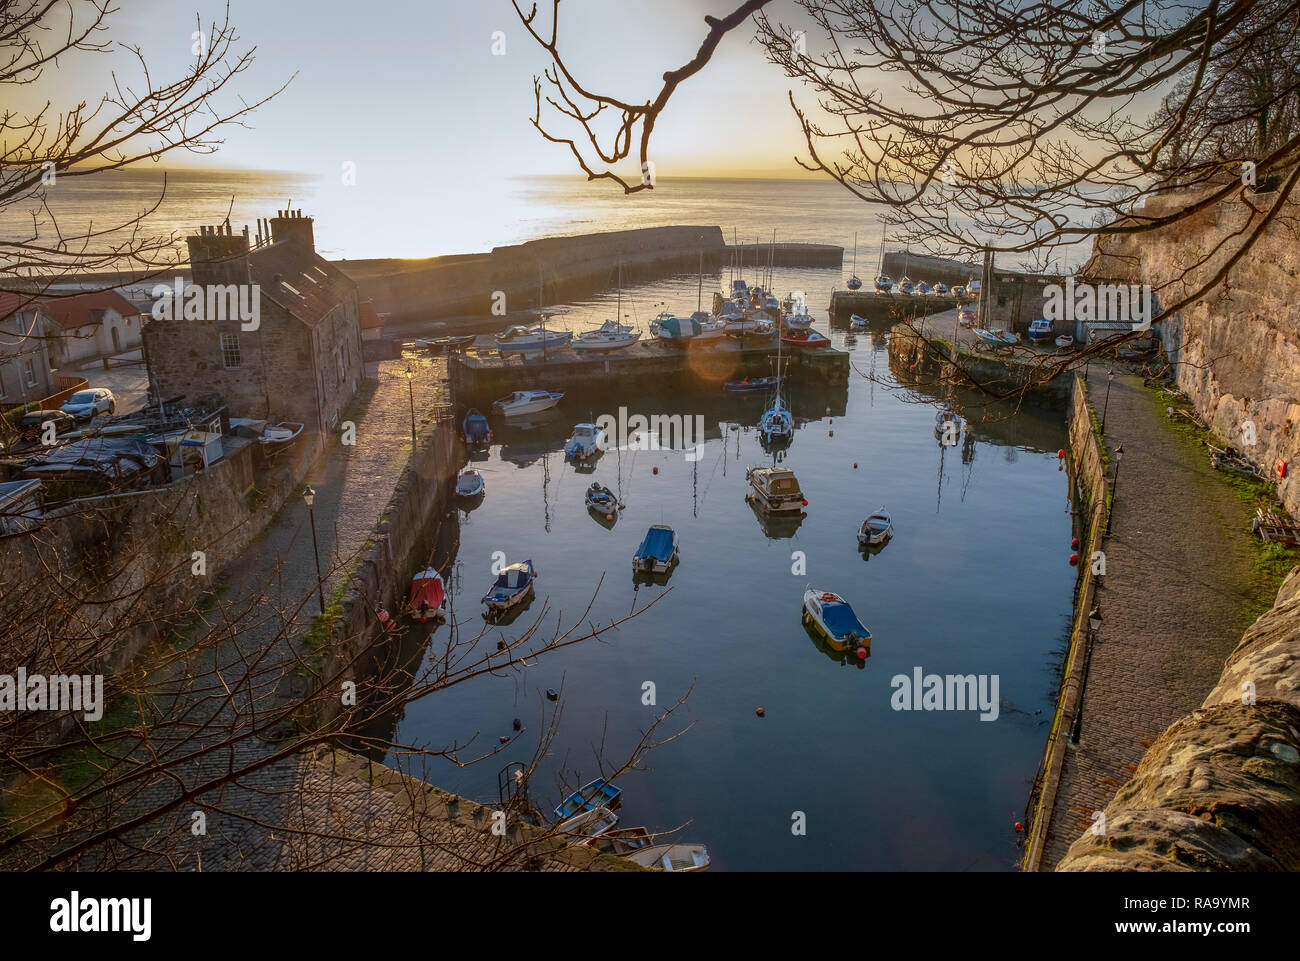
{"points": [[397, 221]]}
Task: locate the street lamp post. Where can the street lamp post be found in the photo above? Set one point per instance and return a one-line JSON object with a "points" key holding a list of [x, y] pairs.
{"points": [[410, 390], [1109, 377], [1119, 455], [309, 497]]}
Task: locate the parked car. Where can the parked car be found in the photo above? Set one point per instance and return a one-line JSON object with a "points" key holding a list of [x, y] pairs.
{"points": [[33, 421], [85, 404]]}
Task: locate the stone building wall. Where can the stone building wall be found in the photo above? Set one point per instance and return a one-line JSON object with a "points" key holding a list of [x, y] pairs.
{"points": [[1237, 348]]}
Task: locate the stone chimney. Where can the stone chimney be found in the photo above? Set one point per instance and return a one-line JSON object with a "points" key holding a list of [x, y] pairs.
{"points": [[218, 256], [291, 225]]}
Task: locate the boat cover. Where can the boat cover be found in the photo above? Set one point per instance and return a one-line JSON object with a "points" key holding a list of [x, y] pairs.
{"points": [[840, 620], [476, 427], [113, 457], [681, 326], [658, 544], [515, 576]]}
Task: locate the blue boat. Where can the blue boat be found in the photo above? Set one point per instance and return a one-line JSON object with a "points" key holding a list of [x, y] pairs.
{"points": [[658, 551], [475, 428], [752, 384], [1040, 329], [528, 340], [679, 328], [589, 797], [511, 586]]}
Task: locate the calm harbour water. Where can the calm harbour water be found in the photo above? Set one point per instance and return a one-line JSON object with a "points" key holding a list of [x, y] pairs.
{"points": [[975, 580]]}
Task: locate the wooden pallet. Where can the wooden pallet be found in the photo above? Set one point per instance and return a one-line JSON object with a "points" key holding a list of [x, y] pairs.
{"points": [[1271, 526]]}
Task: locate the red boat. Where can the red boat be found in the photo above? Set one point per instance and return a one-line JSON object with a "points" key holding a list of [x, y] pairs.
{"points": [[805, 338], [427, 595]]}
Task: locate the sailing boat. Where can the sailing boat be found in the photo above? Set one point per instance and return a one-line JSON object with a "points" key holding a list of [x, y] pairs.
{"points": [[854, 283], [612, 334], [777, 423], [884, 283]]}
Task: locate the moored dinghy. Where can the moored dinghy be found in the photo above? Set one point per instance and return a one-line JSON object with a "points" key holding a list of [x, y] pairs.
{"points": [[602, 500], [586, 826], [585, 442], [1065, 342], [470, 483], [658, 551], [876, 529], [589, 797], [512, 585], [858, 323], [835, 620], [672, 857], [475, 429], [428, 595], [775, 488]]}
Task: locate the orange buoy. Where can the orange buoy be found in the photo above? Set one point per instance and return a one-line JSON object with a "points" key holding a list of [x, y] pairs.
{"points": [[1281, 468], [862, 654], [760, 712]]}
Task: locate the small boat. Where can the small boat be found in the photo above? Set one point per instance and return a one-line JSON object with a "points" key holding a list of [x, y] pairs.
{"points": [[658, 551], [1065, 342], [876, 529], [941, 290], [944, 417], [905, 286], [445, 345], [623, 841], [858, 323], [924, 288], [589, 797], [884, 284], [470, 483], [1040, 329], [511, 586], [835, 620], [959, 291], [672, 857], [585, 442], [527, 340], [966, 317], [276, 437], [777, 423], [973, 288], [602, 500], [747, 326], [751, 384], [428, 594], [678, 328], [475, 429], [586, 826], [808, 338], [798, 318], [527, 402], [995, 338], [854, 283], [776, 488], [793, 300], [608, 336]]}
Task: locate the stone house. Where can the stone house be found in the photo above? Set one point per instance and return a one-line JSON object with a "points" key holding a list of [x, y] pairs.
{"points": [[273, 329], [92, 325], [25, 373]]}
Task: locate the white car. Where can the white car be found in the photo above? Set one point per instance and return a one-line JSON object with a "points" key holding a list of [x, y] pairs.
{"points": [[87, 404]]}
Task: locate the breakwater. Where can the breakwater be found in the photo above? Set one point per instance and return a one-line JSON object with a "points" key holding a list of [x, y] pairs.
{"points": [[475, 288]]}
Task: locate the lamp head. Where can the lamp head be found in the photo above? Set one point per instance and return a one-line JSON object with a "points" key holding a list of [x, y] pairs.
{"points": [[308, 495]]}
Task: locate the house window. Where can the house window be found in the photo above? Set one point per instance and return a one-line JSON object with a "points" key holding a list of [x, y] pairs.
{"points": [[230, 351], [29, 373]]}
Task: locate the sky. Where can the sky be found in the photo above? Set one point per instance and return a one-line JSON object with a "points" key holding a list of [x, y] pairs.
{"points": [[418, 89]]}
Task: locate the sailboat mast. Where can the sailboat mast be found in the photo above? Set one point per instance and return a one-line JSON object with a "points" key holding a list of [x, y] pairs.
{"points": [[771, 260], [699, 290]]}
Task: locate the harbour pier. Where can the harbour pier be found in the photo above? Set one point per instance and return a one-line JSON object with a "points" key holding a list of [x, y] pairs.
{"points": [[711, 363]]}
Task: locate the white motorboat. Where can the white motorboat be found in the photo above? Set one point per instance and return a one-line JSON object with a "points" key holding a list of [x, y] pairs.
{"points": [[876, 529], [608, 336], [527, 402], [470, 483], [799, 318], [834, 619], [775, 488], [858, 323], [527, 340], [510, 588], [672, 857], [585, 442]]}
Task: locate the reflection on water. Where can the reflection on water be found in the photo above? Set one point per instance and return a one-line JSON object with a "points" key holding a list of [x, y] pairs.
{"points": [[975, 580]]}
